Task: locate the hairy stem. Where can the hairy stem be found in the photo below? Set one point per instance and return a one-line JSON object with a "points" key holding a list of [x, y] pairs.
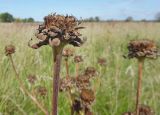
{"points": [[140, 72], [57, 56], [34, 99]]}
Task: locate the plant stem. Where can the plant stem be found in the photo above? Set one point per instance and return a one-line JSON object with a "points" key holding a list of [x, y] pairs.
{"points": [[34, 99], [57, 56], [140, 72], [67, 68], [77, 69]]}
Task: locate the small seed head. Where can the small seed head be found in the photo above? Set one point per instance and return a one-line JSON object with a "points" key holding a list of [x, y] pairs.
{"points": [[32, 79], [102, 61], [9, 49], [67, 52], [78, 59], [87, 95], [142, 49], [42, 91]]}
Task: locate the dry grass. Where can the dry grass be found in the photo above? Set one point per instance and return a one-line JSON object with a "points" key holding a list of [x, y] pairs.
{"points": [[109, 40]]}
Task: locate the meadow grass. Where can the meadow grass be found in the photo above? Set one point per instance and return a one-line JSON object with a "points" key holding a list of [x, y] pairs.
{"points": [[119, 78]]}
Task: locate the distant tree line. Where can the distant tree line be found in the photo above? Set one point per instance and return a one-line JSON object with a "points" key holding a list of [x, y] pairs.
{"points": [[7, 17], [128, 19], [92, 19]]}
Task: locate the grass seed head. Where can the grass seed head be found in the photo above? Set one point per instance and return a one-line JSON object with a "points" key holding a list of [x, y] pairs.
{"points": [[9, 49], [142, 49]]}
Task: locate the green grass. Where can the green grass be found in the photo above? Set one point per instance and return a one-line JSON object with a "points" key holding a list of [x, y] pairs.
{"points": [[109, 40]]}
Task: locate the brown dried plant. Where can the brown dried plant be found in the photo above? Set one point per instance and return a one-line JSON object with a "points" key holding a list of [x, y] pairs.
{"points": [[141, 49], [9, 50], [58, 31], [79, 88]]}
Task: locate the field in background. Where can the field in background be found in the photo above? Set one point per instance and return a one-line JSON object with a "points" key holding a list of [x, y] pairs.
{"points": [[118, 88]]}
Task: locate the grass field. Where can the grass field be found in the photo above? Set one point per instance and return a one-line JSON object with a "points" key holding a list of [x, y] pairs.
{"points": [[119, 78]]}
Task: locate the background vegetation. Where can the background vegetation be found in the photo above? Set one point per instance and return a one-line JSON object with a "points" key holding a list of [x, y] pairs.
{"points": [[118, 88]]}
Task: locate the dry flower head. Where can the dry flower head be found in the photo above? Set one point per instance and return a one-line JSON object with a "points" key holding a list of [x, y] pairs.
{"points": [[65, 28], [78, 59], [67, 52], [9, 49], [32, 79], [142, 48], [42, 91], [102, 61]]}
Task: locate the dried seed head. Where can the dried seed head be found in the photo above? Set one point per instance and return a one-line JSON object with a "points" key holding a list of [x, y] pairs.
{"points": [[87, 95], [91, 71], [31, 79], [68, 52], [78, 59], [145, 110], [42, 91], [82, 82], [66, 84], [102, 61], [65, 28], [54, 42], [142, 48], [9, 49]]}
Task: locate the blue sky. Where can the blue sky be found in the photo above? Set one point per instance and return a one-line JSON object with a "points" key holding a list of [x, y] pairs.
{"points": [[105, 9]]}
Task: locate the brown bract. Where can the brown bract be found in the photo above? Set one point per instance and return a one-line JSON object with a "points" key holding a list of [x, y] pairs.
{"points": [[9, 49], [142, 48], [65, 28]]}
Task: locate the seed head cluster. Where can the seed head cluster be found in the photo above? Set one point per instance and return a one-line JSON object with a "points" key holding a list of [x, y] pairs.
{"points": [[59, 30], [142, 48], [81, 88], [9, 49]]}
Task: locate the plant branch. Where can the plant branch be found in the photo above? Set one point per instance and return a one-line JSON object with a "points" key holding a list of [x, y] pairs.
{"points": [[34, 99]]}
